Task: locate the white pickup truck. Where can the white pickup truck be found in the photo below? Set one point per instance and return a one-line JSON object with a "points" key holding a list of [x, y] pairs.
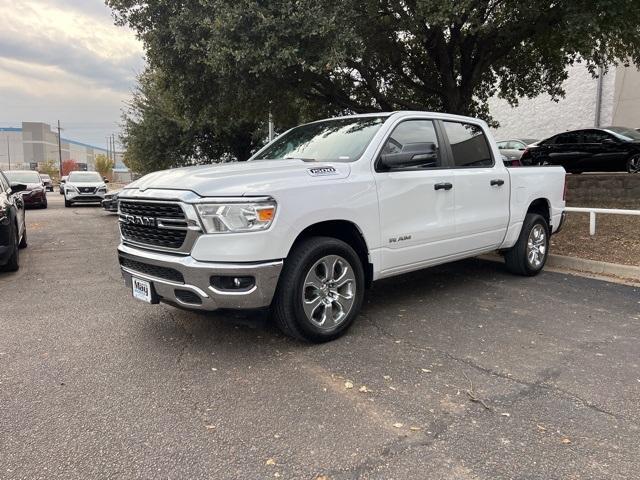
{"points": [[314, 217]]}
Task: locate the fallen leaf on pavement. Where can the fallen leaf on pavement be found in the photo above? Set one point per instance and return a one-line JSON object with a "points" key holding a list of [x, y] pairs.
{"points": [[425, 370], [270, 461], [364, 389], [566, 441], [387, 377], [415, 429], [398, 425], [348, 384], [542, 428]]}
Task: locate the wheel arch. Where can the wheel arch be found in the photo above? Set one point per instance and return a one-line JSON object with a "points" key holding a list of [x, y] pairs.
{"points": [[346, 231], [541, 206]]}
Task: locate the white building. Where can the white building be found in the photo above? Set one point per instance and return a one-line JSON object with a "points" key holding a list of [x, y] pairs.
{"points": [[34, 143], [590, 102]]}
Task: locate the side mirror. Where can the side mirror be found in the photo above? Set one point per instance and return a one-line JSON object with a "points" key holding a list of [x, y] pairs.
{"points": [[106, 181], [412, 155], [18, 187]]}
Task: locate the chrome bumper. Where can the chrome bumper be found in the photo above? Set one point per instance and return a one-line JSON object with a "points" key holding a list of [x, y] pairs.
{"points": [[197, 279]]}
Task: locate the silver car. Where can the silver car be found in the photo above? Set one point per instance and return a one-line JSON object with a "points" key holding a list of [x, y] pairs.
{"points": [[84, 187], [514, 148]]}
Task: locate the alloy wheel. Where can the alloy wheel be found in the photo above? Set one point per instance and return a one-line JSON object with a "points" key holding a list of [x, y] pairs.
{"points": [[329, 292], [536, 246]]}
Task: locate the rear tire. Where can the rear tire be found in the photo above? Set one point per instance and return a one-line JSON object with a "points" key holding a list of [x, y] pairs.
{"points": [[320, 290], [529, 255], [633, 164]]}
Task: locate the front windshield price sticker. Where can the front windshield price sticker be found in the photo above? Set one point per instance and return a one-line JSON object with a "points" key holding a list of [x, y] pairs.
{"points": [[141, 290]]}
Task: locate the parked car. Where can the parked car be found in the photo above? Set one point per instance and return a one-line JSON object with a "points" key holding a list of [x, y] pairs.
{"points": [[328, 207], [48, 183], [110, 202], [34, 194], [84, 187], [610, 149], [62, 182], [514, 148], [13, 229]]}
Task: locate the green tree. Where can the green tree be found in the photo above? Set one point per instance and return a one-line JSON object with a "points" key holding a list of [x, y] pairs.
{"points": [[50, 168], [370, 55], [103, 165]]}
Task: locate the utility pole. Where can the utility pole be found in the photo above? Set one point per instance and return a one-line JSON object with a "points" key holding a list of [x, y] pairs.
{"points": [[8, 152], [59, 148], [270, 126], [113, 148]]}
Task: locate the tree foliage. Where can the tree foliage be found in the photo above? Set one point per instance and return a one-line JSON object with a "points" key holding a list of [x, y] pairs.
{"points": [[103, 165], [50, 168], [69, 166], [233, 61]]}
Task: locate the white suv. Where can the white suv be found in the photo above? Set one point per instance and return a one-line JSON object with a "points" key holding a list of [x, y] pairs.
{"points": [[84, 187]]}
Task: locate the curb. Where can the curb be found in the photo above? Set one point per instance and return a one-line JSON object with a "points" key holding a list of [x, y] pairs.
{"points": [[595, 267]]}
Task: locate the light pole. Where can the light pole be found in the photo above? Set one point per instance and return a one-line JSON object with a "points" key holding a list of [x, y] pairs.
{"points": [[59, 149]]}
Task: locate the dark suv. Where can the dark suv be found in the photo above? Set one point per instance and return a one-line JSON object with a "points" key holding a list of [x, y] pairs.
{"points": [[611, 149], [13, 229]]}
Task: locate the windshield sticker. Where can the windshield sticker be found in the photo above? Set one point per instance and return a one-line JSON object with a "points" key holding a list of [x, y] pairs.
{"points": [[322, 171]]}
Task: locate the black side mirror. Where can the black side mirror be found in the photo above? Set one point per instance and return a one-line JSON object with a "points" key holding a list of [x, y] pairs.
{"points": [[106, 181], [412, 155], [18, 187]]}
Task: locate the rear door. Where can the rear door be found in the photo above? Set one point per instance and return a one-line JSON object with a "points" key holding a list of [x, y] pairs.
{"points": [[417, 217], [568, 150], [481, 192]]}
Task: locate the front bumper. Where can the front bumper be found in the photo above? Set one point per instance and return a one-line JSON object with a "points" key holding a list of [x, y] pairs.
{"points": [[195, 277], [110, 204], [85, 197], [36, 199]]}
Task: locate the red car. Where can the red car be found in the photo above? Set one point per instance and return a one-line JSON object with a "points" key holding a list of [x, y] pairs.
{"points": [[35, 194]]}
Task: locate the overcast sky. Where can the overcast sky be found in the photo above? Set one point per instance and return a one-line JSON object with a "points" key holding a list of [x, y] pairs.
{"points": [[66, 60]]}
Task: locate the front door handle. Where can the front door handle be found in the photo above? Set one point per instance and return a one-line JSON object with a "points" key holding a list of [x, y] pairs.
{"points": [[443, 186], [497, 182]]}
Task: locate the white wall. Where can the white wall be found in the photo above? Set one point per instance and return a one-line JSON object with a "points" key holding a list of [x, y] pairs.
{"points": [[540, 117]]}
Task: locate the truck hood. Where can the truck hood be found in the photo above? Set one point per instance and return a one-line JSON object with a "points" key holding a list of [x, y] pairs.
{"points": [[243, 178]]}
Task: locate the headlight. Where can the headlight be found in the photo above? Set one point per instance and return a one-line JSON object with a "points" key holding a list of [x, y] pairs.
{"points": [[71, 188], [236, 217]]}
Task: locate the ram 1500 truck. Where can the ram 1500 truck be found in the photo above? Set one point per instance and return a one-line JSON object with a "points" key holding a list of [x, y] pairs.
{"points": [[327, 208]]}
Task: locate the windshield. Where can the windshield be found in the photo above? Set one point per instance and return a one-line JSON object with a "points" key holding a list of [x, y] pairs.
{"points": [[624, 133], [340, 140], [84, 177], [23, 177]]}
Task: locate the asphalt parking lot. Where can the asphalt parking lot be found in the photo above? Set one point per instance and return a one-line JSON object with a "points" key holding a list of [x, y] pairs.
{"points": [[458, 372]]}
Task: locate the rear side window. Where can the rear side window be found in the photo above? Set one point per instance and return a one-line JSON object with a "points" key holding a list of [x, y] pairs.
{"points": [[569, 137], [469, 145]]}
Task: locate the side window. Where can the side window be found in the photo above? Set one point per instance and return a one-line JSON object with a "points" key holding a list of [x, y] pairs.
{"points": [[566, 138], [595, 136], [469, 145], [413, 132], [503, 145]]}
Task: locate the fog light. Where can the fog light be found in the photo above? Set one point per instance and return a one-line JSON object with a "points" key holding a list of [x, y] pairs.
{"points": [[233, 283]]}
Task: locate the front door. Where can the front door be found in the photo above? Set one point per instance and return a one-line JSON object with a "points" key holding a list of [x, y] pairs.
{"points": [[417, 217]]}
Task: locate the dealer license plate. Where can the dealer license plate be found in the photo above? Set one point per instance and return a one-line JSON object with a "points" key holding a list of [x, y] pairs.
{"points": [[141, 289]]}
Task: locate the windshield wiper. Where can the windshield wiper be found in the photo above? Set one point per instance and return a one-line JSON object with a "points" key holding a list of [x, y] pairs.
{"points": [[301, 158]]}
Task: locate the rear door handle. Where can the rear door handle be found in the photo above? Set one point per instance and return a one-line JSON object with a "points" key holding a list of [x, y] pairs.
{"points": [[443, 186], [497, 182]]}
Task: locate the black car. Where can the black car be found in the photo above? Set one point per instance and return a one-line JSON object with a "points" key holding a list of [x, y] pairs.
{"points": [[13, 229], [611, 149], [110, 202]]}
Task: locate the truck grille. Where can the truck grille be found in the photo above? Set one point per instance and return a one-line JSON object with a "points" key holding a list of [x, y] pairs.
{"points": [[152, 270], [158, 210], [139, 224]]}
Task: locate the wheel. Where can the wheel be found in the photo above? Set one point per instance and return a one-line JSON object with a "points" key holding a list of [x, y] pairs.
{"points": [[14, 261], [633, 164], [23, 242], [320, 291], [67, 203], [45, 204], [529, 255]]}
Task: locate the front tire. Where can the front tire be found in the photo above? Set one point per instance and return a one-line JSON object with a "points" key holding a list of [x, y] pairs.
{"points": [[633, 164], [320, 291], [23, 242], [13, 264], [529, 255], [67, 203]]}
